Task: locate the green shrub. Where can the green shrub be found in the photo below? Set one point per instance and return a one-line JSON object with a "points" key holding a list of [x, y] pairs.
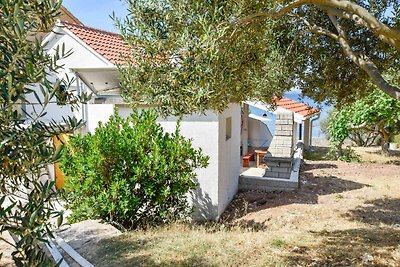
{"points": [[130, 172], [348, 154]]}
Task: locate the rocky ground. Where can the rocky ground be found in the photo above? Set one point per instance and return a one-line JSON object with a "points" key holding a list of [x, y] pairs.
{"points": [[350, 210]]}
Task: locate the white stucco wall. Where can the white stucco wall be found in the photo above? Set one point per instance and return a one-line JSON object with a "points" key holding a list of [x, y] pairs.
{"points": [[228, 156], [54, 111], [97, 113], [81, 57], [259, 134]]}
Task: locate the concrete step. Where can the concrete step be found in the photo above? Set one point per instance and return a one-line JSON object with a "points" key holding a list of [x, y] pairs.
{"points": [[266, 184]]}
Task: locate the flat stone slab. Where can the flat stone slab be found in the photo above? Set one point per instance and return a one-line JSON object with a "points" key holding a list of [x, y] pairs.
{"points": [[84, 237], [87, 233], [6, 249]]}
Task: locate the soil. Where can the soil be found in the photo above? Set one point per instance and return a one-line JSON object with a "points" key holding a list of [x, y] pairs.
{"points": [[350, 211], [342, 214], [330, 192]]}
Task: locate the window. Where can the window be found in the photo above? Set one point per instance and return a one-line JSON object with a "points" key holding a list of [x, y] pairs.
{"points": [[228, 128]]}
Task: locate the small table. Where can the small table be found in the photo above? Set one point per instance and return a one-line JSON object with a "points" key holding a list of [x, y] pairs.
{"points": [[259, 155]]}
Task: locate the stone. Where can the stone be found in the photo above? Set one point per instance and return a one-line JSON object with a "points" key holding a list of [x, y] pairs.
{"points": [[367, 258], [82, 235], [280, 169], [282, 143]]}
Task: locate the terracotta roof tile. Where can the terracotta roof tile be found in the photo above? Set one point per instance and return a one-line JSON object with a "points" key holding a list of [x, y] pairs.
{"points": [[109, 45], [296, 107]]}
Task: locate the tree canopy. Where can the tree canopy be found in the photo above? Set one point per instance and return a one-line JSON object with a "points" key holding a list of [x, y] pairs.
{"points": [[195, 55], [27, 196], [376, 113]]}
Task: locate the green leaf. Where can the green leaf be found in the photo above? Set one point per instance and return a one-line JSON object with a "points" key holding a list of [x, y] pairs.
{"points": [[33, 217], [60, 220], [57, 154]]}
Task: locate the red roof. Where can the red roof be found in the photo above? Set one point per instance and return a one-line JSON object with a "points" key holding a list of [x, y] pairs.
{"points": [[108, 44], [296, 107]]}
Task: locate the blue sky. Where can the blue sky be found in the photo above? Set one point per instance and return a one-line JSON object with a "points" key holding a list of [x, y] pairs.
{"points": [[96, 13]]}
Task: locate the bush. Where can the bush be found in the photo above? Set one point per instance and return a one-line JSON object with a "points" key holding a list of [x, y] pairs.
{"points": [[348, 154], [130, 172]]}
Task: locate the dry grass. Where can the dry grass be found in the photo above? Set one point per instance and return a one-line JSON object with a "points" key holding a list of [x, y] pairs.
{"points": [[344, 214], [182, 245], [367, 154], [374, 155]]}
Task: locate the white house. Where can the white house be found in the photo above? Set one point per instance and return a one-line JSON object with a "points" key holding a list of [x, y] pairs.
{"points": [[92, 64], [304, 116]]}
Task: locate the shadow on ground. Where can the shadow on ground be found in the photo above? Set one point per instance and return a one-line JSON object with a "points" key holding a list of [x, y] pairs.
{"points": [[311, 187], [123, 252], [394, 162], [377, 245], [378, 212], [354, 247], [313, 166], [392, 158], [392, 153]]}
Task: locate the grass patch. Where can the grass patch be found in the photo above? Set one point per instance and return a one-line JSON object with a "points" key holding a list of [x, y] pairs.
{"points": [[337, 217], [374, 155], [339, 196], [185, 245], [354, 154], [278, 243], [316, 153], [196, 245]]}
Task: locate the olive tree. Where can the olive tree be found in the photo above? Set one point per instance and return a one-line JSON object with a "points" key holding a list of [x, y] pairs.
{"points": [[27, 196], [376, 113], [191, 55]]}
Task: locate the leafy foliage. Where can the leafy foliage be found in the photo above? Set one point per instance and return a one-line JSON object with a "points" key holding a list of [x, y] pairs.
{"points": [[339, 126], [27, 197], [348, 154], [190, 56], [130, 172], [375, 113]]}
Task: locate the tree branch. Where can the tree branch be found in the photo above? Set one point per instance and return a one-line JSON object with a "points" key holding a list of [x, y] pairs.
{"points": [[359, 21], [321, 31], [361, 126], [355, 11], [364, 63], [346, 15], [317, 29]]}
